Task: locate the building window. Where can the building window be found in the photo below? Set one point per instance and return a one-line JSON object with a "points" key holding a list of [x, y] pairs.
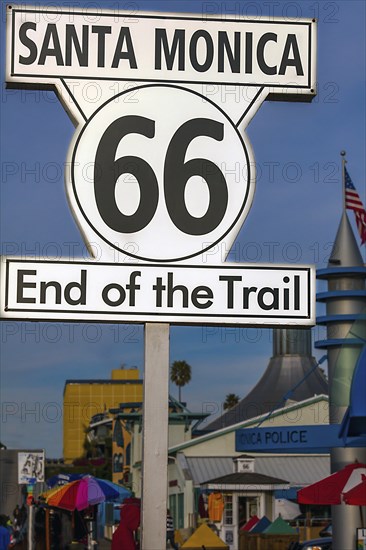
{"points": [[173, 508], [228, 510], [180, 518], [128, 455], [176, 508], [118, 462]]}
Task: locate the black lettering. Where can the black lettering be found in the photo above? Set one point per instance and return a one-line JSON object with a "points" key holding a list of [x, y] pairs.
{"points": [[169, 55], [132, 286], [246, 292], [28, 43], [171, 289], [73, 43], [21, 285], [225, 47], [297, 292], [230, 288], [295, 61], [108, 168], [101, 31], [51, 35], [81, 286], [286, 294], [249, 53], [193, 46], [273, 292], [50, 284], [266, 69], [119, 301], [124, 36], [202, 293], [159, 288]]}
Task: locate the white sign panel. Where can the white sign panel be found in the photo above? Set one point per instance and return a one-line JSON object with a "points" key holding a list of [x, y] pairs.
{"points": [[50, 43], [30, 467], [178, 294]]}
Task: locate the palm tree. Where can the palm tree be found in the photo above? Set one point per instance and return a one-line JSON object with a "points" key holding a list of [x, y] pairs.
{"points": [[180, 374], [231, 400]]}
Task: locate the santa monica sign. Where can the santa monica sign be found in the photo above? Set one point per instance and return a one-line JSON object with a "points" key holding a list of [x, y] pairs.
{"points": [[54, 43], [152, 170]]}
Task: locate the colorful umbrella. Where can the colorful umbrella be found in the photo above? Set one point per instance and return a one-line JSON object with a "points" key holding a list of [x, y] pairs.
{"points": [[330, 489], [356, 495], [84, 492]]}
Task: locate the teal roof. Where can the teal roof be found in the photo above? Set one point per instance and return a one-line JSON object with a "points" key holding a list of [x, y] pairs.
{"points": [[279, 527]]}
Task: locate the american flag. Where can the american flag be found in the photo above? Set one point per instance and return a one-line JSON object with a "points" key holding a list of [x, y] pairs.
{"points": [[353, 202]]}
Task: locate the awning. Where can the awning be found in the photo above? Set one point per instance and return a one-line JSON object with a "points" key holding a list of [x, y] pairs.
{"points": [[245, 481], [300, 471]]}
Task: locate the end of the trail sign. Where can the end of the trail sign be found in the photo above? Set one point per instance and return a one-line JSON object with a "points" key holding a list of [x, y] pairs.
{"points": [[53, 43], [178, 294]]}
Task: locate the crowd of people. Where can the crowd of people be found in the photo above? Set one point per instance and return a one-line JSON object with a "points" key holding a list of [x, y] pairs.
{"points": [[13, 532]]}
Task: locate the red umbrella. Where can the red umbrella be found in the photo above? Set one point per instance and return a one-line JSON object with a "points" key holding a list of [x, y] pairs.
{"points": [[330, 489], [357, 495]]}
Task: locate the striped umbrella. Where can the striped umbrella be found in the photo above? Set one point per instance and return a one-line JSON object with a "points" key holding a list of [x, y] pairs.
{"points": [[357, 495], [84, 492], [330, 489]]}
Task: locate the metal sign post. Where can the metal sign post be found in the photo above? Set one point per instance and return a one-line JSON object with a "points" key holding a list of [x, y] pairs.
{"points": [[31, 466], [30, 523], [155, 436]]}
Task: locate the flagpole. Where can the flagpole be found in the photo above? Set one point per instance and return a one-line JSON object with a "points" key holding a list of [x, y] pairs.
{"points": [[343, 155]]}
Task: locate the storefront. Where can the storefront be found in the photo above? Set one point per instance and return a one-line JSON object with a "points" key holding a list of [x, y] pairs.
{"points": [[231, 500]]}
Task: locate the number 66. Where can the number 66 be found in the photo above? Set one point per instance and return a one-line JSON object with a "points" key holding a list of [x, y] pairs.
{"points": [[177, 172]]}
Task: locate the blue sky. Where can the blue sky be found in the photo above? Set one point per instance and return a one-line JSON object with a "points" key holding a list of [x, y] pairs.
{"points": [[293, 219]]}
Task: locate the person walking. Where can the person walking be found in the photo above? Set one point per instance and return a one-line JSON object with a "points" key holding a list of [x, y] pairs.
{"points": [[124, 535], [170, 531], [4, 534]]}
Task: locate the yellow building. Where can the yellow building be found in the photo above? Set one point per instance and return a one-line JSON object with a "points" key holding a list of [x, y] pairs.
{"points": [[86, 398]]}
